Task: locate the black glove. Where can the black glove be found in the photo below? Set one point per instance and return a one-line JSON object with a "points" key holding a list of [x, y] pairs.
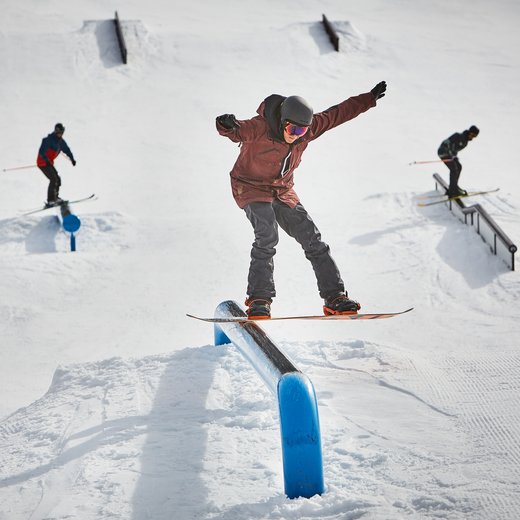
{"points": [[228, 121], [379, 90], [73, 162]]}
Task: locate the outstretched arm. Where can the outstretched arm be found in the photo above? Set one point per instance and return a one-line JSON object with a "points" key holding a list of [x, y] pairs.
{"points": [[346, 110], [238, 130]]}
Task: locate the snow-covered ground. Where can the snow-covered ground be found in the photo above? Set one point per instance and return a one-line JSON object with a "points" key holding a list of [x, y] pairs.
{"points": [[114, 404]]}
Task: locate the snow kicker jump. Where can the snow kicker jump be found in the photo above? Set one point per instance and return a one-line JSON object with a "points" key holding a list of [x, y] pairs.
{"points": [[298, 409]]}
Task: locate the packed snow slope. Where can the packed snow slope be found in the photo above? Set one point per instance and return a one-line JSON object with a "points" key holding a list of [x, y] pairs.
{"points": [[114, 404]]}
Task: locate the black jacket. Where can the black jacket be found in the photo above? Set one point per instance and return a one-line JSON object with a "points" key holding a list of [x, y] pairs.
{"points": [[453, 145]]}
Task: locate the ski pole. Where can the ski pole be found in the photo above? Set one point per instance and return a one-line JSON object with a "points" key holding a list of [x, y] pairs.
{"points": [[19, 168], [428, 162]]}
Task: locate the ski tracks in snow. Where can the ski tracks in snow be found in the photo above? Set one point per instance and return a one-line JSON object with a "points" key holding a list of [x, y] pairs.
{"points": [[479, 390], [485, 388], [86, 429], [390, 434], [146, 437]]}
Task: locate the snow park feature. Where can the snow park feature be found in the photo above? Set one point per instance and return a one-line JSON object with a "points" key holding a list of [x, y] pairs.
{"points": [[479, 219], [121, 39], [331, 31], [298, 409], [117, 406], [70, 223]]}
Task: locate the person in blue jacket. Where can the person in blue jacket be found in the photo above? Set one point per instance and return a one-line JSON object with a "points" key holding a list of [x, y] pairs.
{"points": [[50, 148]]}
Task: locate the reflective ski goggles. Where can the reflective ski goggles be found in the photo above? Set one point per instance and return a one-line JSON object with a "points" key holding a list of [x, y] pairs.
{"points": [[293, 129]]}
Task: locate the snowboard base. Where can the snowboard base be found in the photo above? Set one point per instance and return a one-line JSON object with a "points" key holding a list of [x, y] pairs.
{"points": [[333, 317]]}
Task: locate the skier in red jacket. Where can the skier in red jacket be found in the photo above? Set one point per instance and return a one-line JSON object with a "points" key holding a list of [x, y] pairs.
{"points": [[50, 148], [262, 179]]}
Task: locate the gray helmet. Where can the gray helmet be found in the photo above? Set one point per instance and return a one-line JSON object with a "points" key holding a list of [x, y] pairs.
{"points": [[296, 110]]}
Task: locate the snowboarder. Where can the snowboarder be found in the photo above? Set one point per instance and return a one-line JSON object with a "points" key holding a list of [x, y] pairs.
{"points": [[50, 148], [448, 151], [272, 144]]}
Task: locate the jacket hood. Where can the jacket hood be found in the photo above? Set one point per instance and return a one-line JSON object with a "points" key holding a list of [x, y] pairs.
{"points": [[269, 109]]}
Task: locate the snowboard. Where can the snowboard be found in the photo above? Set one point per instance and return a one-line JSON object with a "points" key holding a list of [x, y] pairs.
{"points": [[333, 317], [31, 212], [445, 198]]}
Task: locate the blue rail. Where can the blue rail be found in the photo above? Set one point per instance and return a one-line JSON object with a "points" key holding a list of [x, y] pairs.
{"points": [[70, 223], [298, 409]]}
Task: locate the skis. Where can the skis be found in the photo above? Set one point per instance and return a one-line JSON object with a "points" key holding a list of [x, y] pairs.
{"points": [[445, 198], [31, 212], [333, 317]]}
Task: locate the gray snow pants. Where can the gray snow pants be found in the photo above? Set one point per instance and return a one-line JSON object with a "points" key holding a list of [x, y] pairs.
{"points": [[297, 223]]}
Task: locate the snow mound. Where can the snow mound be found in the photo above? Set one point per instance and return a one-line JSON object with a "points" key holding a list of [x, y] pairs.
{"points": [[351, 38], [105, 232], [153, 435]]}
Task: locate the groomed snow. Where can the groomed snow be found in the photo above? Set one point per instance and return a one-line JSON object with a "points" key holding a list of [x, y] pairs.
{"points": [[115, 405]]}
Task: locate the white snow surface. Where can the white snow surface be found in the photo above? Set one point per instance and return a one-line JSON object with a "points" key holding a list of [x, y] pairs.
{"points": [[115, 405]]}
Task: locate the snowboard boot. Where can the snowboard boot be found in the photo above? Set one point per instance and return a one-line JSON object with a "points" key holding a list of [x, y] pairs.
{"points": [[258, 308], [340, 304]]}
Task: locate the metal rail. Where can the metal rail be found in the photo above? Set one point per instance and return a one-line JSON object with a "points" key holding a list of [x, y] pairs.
{"points": [[478, 218], [298, 409], [70, 223], [121, 39], [333, 35]]}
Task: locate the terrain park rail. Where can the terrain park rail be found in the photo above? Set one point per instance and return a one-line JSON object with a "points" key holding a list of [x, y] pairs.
{"points": [[297, 406], [69, 222], [333, 35], [480, 220], [121, 39]]}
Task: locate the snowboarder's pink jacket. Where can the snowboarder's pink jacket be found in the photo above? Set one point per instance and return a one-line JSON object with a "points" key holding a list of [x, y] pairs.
{"points": [[264, 170]]}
